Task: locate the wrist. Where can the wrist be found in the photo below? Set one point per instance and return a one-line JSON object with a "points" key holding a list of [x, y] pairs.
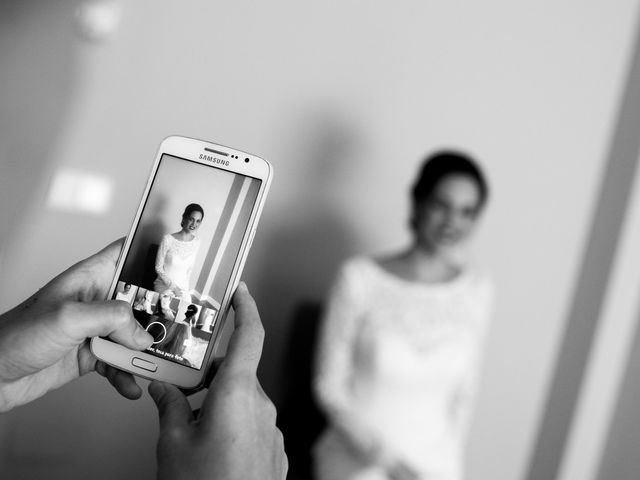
{"points": [[378, 454], [362, 442], [4, 406], [7, 400]]}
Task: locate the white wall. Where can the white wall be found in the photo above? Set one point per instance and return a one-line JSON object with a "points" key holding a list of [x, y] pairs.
{"points": [[344, 98]]}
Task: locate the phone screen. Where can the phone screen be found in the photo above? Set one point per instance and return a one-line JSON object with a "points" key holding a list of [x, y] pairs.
{"points": [[183, 253]]}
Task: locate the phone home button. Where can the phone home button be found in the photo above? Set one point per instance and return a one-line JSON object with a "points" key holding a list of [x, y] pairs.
{"points": [[145, 364]]}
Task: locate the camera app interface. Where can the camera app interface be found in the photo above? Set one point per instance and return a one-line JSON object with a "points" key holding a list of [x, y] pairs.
{"points": [[182, 255]]}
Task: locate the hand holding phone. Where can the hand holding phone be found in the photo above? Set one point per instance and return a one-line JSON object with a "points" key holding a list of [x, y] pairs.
{"points": [[184, 255], [44, 340], [235, 435], [44, 345]]}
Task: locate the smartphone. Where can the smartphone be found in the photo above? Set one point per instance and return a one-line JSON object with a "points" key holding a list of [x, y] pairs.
{"points": [[184, 255]]}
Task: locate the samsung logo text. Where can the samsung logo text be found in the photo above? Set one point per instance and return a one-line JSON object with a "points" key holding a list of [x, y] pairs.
{"points": [[214, 160]]}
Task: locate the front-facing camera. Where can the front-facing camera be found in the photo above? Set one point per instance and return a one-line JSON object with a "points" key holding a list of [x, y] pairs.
{"points": [[246, 160]]}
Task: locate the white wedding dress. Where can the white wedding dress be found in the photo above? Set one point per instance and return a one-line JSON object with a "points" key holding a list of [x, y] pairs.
{"points": [[174, 263], [396, 371]]}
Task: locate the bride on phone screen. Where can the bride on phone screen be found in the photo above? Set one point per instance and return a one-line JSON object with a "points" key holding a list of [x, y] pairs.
{"points": [[177, 254]]}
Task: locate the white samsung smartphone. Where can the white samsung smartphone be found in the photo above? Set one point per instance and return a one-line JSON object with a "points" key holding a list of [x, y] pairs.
{"points": [[184, 254]]}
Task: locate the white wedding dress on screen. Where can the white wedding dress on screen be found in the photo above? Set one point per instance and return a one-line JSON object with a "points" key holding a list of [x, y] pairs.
{"points": [[396, 372], [174, 263]]}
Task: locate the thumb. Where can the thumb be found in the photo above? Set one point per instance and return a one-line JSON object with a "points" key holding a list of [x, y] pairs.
{"points": [[173, 407], [112, 319]]}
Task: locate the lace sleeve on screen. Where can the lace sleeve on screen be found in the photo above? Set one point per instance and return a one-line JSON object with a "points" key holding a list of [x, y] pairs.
{"points": [[162, 253], [333, 367]]}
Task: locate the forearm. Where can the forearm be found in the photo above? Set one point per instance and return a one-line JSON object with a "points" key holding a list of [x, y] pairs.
{"points": [[336, 401], [360, 438], [163, 277], [160, 272], [14, 393], [159, 265]]}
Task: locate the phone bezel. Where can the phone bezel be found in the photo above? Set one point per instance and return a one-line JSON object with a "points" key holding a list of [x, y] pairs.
{"points": [[189, 149]]}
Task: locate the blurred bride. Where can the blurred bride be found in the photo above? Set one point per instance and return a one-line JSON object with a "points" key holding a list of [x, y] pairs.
{"points": [[401, 340], [177, 254]]}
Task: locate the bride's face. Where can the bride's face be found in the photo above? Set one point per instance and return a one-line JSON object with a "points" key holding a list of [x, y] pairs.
{"points": [[449, 215], [190, 223], [165, 300]]}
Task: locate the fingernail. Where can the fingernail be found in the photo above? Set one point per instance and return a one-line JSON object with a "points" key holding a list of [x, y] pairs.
{"points": [[243, 286], [143, 338]]}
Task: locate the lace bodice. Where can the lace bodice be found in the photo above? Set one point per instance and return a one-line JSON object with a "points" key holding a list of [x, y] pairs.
{"points": [[397, 363], [175, 260]]}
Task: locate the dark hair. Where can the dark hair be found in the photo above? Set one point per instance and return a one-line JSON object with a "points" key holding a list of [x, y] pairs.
{"points": [[192, 207], [442, 164], [192, 308]]}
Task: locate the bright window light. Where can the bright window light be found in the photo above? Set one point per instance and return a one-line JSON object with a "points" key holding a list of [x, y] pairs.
{"points": [[80, 192]]}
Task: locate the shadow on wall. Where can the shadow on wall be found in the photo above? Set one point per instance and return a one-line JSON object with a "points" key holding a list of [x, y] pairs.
{"points": [[37, 81], [140, 268], [300, 259], [299, 418]]}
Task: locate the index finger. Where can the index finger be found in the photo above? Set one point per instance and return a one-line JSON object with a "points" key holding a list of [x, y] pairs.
{"points": [[111, 252], [245, 345], [103, 262], [88, 279]]}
